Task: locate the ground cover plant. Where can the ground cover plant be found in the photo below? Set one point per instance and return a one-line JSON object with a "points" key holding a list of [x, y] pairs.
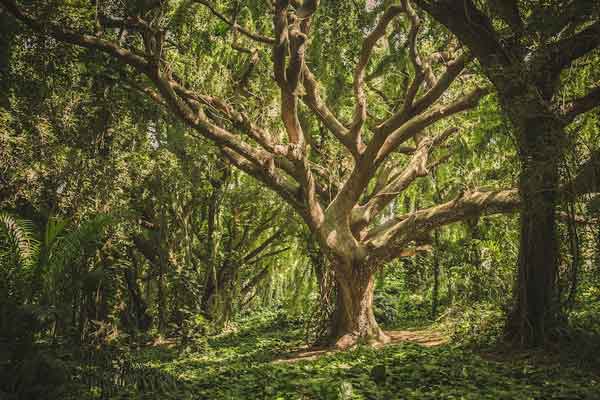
{"points": [[262, 361]]}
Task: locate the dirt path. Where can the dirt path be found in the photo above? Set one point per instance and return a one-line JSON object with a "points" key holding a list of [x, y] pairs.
{"points": [[426, 337]]}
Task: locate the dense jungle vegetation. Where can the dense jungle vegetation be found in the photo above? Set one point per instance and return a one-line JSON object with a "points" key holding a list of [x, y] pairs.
{"points": [[299, 199]]}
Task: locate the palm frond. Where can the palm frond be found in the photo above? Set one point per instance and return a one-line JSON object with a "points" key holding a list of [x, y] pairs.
{"points": [[17, 241], [67, 246]]}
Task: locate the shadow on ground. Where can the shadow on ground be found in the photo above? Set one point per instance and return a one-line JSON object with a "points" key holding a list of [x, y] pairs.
{"points": [[418, 364]]}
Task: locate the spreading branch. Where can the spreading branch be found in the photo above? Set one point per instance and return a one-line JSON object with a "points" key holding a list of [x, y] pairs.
{"points": [[472, 27], [508, 10], [360, 112], [558, 56], [581, 105], [393, 236], [343, 224]]}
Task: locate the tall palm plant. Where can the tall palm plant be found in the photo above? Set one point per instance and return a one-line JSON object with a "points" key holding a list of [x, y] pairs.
{"points": [[48, 272]]}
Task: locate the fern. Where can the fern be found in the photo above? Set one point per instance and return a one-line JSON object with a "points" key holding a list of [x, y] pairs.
{"points": [[64, 247], [18, 247], [80, 242]]}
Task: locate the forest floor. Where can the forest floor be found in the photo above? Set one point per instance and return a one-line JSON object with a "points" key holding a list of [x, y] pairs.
{"points": [[263, 361], [423, 337]]}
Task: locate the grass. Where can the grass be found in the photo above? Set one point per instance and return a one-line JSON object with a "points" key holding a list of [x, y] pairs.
{"points": [[243, 365]]}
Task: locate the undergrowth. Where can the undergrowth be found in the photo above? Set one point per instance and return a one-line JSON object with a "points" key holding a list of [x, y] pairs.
{"points": [[245, 363]]}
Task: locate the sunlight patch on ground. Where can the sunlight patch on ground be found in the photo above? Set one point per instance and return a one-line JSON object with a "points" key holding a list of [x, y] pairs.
{"points": [[427, 338]]}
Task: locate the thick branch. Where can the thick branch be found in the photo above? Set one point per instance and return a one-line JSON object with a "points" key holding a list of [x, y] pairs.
{"points": [[360, 112], [388, 239], [422, 69], [255, 161], [291, 40], [397, 182], [561, 54], [454, 68], [70, 36], [420, 122], [270, 178], [313, 100], [391, 237], [412, 108], [471, 26], [383, 144], [361, 216], [581, 105], [132, 23]]}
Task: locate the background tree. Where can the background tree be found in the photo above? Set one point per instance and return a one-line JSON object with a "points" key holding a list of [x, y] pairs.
{"points": [[527, 52]]}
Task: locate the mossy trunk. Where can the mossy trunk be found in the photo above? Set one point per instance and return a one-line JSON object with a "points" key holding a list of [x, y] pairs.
{"points": [[536, 304]]}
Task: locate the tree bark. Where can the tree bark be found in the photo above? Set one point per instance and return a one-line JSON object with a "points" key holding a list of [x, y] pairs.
{"points": [[139, 308], [536, 306], [217, 292], [353, 320]]}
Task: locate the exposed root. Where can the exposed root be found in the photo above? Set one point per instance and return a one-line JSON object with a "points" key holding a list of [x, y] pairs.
{"points": [[427, 338], [380, 338]]}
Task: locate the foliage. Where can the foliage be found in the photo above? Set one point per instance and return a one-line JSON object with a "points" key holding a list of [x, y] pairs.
{"points": [[136, 261], [251, 363], [19, 248]]}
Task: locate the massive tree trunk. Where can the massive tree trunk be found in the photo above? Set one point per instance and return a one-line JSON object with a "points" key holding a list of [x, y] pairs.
{"points": [[535, 307], [353, 320]]}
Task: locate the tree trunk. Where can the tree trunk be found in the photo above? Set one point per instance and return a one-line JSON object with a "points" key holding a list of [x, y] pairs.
{"points": [[474, 233], [217, 292], [536, 306], [353, 320], [139, 308], [436, 275], [206, 302]]}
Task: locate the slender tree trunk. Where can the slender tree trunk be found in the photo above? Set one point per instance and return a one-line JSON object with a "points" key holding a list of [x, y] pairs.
{"points": [[475, 258], [353, 320], [435, 294], [138, 306], [208, 295], [212, 285], [575, 249], [536, 306], [450, 287], [161, 300]]}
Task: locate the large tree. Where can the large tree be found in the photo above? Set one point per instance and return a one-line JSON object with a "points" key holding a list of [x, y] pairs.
{"points": [[340, 195], [525, 50]]}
